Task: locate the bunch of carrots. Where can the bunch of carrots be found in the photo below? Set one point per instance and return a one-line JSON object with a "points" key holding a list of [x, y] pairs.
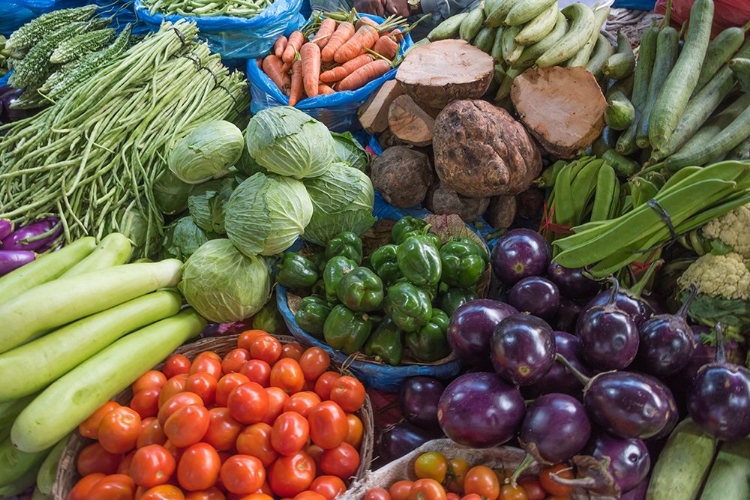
{"points": [[338, 52]]}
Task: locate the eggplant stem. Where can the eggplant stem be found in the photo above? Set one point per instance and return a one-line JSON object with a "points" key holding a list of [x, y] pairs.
{"points": [[575, 371], [615, 290], [689, 300], [581, 482], [527, 462], [721, 356]]}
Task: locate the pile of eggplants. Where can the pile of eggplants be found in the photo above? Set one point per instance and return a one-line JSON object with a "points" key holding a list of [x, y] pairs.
{"points": [[23, 244]]}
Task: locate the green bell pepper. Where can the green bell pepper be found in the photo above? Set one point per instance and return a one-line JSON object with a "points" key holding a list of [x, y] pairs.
{"points": [[454, 298], [312, 314], [426, 235], [347, 244], [463, 262], [430, 343], [297, 271], [346, 330], [360, 290], [336, 268], [384, 263], [405, 225], [385, 343], [419, 261], [408, 306]]}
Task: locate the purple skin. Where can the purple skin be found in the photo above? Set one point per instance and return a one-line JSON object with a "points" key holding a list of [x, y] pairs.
{"points": [[637, 308], [719, 400], [418, 399], [563, 413], [518, 254], [471, 327], [6, 227], [535, 295], [396, 441], [572, 283], [480, 410], [33, 236], [558, 378], [522, 349], [567, 315], [637, 493], [13, 259]]}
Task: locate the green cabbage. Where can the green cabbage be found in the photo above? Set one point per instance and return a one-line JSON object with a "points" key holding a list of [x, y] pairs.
{"points": [[206, 204], [266, 213], [182, 238], [170, 193], [223, 284], [247, 166], [206, 152], [342, 200], [288, 142], [348, 150]]}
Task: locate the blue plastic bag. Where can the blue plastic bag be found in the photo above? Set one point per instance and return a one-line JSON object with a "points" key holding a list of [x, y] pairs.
{"points": [[122, 13], [16, 13], [236, 37], [337, 111]]}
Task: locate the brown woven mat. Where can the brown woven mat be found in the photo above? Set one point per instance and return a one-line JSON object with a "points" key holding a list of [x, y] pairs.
{"points": [[632, 22]]}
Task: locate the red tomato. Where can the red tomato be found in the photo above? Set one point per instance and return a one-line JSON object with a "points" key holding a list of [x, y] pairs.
{"points": [[456, 473], [151, 433], [234, 359], [510, 492], [328, 424], [176, 364], [207, 354], [245, 338], [356, 430], [533, 487], [265, 347], [550, 485], [127, 459], [377, 494], [172, 386], [482, 480], [152, 379], [287, 374], [113, 487], [163, 492], [292, 350], [314, 363], [328, 486], [187, 425], [212, 493], [179, 400], [302, 402], [204, 385], [80, 490], [324, 384], [90, 427], [93, 458], [119, 430], [242, 474], [255, 440], [452, 496], [289, 433], [256, 496], [175, 451], [471, 496], [309, 495], [222, 429], [257, 370], [198, 468], [248, 403], [342, 461], [152, 465], [400, 489], [432, 465], [277, 400], [348, 393], [206, 364], [291, 474], [225, 385], [426, 489], [315, 452], [146, 402]]}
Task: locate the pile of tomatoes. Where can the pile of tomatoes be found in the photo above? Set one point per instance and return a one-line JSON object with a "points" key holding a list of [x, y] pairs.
{"points": [[441, 478], [266, 420]]}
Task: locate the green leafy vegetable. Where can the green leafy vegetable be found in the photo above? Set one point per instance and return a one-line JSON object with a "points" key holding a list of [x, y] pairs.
{"points": [[348, 150], [206, 152], [182, 238], [170, 193], [206, 204]]}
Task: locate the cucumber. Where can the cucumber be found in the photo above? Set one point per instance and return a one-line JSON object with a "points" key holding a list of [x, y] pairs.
{"points": [[113, 250], [471, 24], [47, 473], [510, 50], [584, 54], [21, 484], [582, 23], [720, 51], [532, 52], [63, 300], [730, 474], [495, 18], [9, 410], [602, 50], [526, 10], [539, 27], [619, 113], [76, 395], [484, 39], [14, 463], [448, 28], [42, 361], [741, 68], [622, 63]]}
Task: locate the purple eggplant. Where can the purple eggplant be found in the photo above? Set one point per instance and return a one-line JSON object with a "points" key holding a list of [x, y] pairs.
{"points": [[522, 349], [520, 253], [34, 236], [13, 259], [567, 315], [563, 413], [6, 227], [558, 378], [609, 336], [629, 300], [471, 327], [535, 295], [480, 410], [666, 343], [572, 283], [719, 399], [418, 399], [397, 440]]}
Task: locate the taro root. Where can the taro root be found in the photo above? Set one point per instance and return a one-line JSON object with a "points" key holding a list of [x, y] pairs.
{"points": [[443, 200], [402, 176], [501, 211]]}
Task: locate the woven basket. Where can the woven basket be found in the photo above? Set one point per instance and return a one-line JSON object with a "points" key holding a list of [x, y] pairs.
{"points": [[67, 476]]}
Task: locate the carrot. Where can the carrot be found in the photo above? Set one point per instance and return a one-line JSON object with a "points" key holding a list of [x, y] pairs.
{"points": [[365, 20], [259, 62], [272, 66], [295, 90], [279, 45], [340, 72], [344, 32], [386, 46], [397, 35], [324, 89], [296, 39], [326, 29], [365, 37], [310, 57], [364, 75], [286, 67]]}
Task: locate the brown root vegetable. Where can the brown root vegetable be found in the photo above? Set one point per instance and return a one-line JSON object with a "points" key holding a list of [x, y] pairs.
{"points": [[402, 176], [373, 114], [501, 211], [530, 203], [481, 151], [444, 71], [409, 122], [443, 200], [572, 114]]}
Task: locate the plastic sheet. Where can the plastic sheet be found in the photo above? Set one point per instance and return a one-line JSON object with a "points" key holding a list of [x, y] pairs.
{"points": [[16, 13], [727, 13], [122, 13], [337, 111], [236, 37]]}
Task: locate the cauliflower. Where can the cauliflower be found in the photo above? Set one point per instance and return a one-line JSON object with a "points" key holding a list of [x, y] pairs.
{"points": [[731, 229], [723, 276]]}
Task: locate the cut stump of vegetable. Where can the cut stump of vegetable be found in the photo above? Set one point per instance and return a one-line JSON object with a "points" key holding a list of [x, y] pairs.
{"points": [[444, 71], [373, 114], [409, 122]]}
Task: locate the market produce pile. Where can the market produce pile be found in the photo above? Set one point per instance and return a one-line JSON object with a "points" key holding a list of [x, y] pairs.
{"points": [[521, 272]]}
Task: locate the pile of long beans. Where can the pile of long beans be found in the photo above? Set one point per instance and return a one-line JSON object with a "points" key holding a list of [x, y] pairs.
{"points": [[199, 8], [92, 158]]}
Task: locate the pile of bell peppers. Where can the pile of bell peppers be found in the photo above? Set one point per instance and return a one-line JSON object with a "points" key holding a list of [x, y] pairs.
{"points": [[393, 303]]}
